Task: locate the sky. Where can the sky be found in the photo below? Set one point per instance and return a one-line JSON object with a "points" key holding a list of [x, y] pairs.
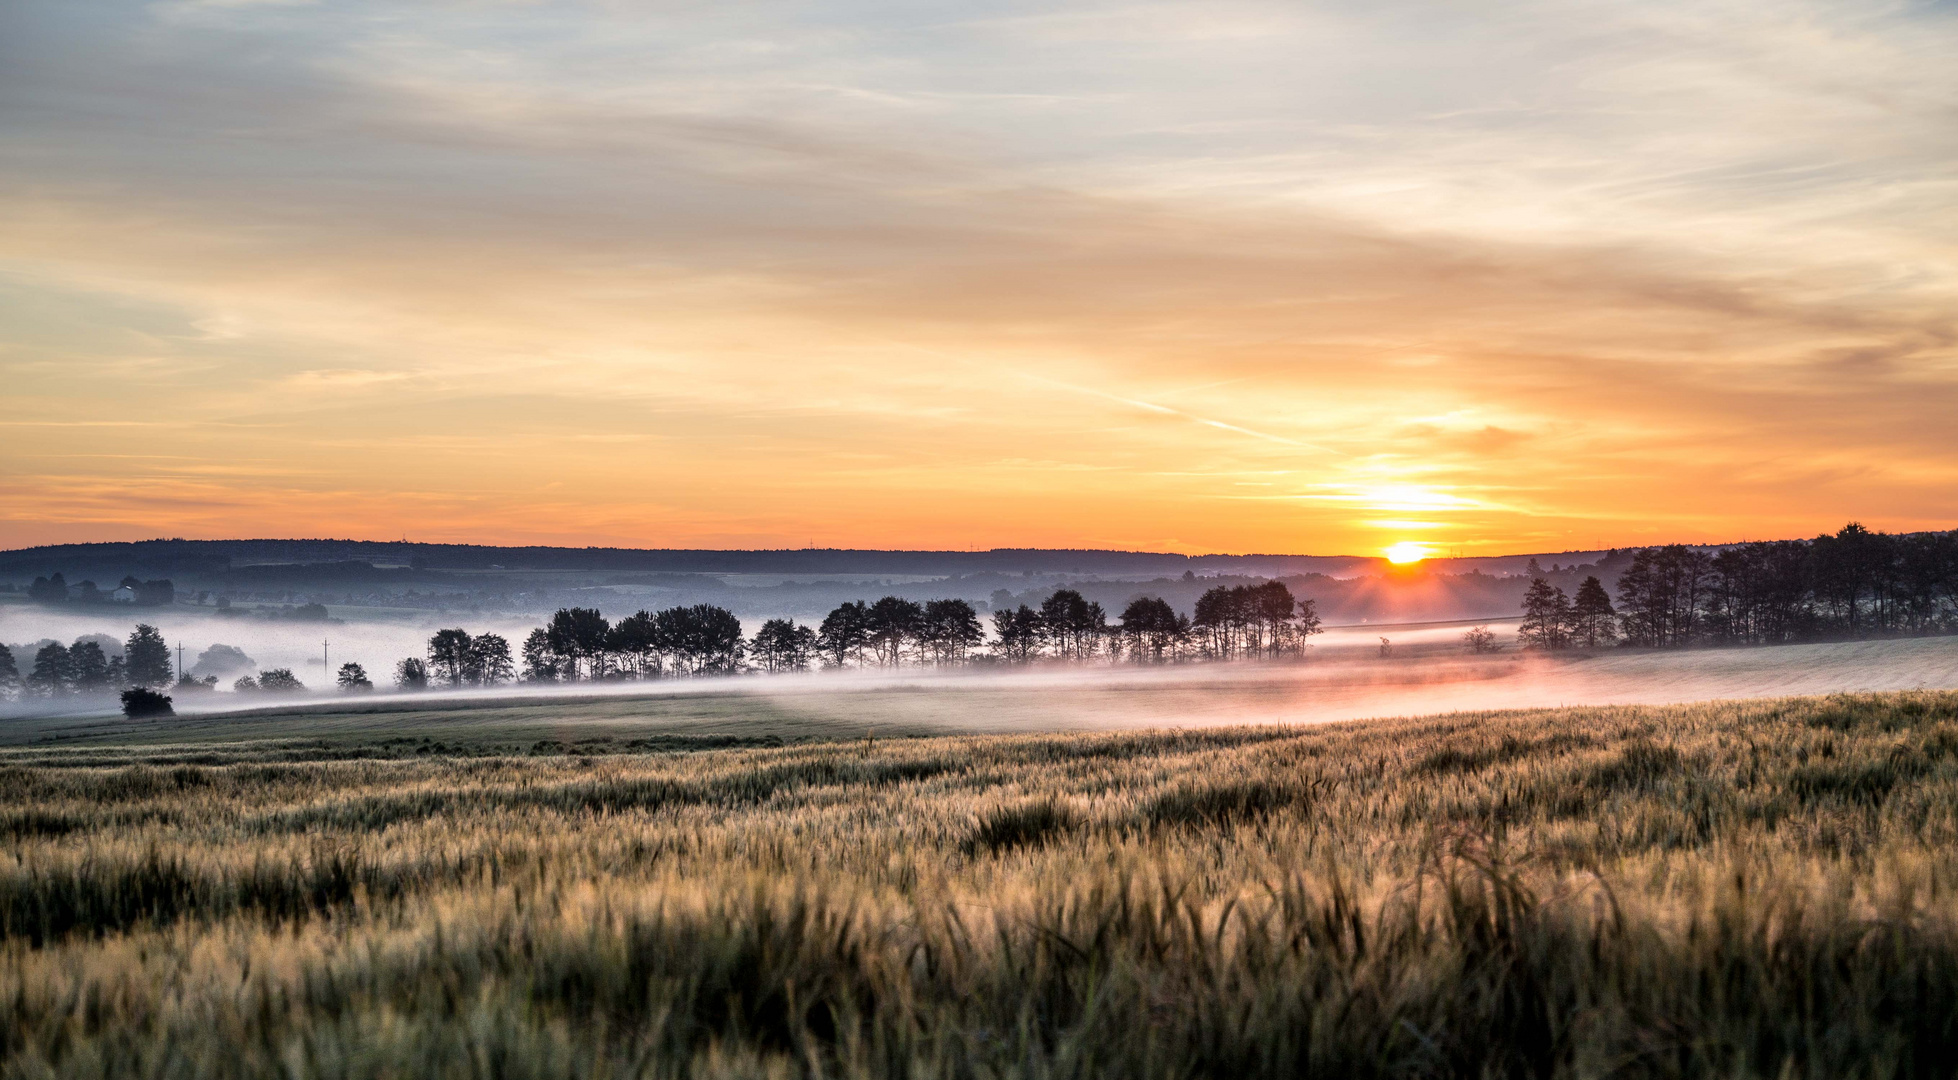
{"points": [[1203, 277]]}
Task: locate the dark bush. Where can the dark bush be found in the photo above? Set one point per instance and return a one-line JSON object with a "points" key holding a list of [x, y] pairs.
{"points": [[141, 703]]}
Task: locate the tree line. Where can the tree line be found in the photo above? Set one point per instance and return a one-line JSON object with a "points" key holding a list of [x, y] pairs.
{"points": [[85, 668], [56, 590], [1229, 623], [1851, 584], [582, 645]]}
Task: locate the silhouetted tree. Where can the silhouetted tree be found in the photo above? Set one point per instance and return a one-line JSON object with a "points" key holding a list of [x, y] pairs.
{"points": [[673, 635], [1783, 610], [1306, 622], [578, 634], [1219, 621], [781, 645], [489, 662], [1268, 611], [950, 630], [1073, 624], [635, 645], [893, 623], [146, 658], [1019, 632], [1547, 617], [245, 684], [53, 674], [1846, 569], [845, 634], [722, 646], [1246, 620], [1150, 629], [9, 675], [1480, 639], [353, 680], [541, 662], [411, 674], [89, 666], [701, 639], [1660, 593], [448, 656], [1757, 593], [1593, 622], [1927, 578], [280, 681]]}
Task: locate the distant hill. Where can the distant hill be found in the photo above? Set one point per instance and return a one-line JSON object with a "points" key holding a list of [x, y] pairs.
{"points": [[272, 575], [213, 558]]}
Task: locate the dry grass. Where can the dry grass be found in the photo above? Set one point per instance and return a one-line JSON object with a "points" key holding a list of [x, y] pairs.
{"points": [[1757, 889]]}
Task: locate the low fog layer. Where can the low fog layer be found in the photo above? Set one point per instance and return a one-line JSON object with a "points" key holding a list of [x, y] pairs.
{"points": [[1334, 685], [378, 645], [269, 643], [1329, 687]]}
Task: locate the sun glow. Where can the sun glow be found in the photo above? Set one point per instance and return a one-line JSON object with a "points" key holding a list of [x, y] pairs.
{"points": [[1407, 551]]}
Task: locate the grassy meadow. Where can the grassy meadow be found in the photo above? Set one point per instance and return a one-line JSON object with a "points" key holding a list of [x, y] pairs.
{"points": [[1760, 888]]}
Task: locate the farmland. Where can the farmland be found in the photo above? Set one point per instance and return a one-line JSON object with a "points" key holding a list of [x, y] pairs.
{"points": [[1742, 888]]}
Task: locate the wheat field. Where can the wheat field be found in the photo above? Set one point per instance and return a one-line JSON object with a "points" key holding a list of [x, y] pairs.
{"points": [[1736, 889]]}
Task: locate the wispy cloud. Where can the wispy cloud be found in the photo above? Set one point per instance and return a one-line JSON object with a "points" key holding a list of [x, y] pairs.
{"points": [[1593, 269], [341, 379], [1164, 410]]}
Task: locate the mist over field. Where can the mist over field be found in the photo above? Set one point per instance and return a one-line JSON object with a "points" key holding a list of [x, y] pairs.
{"points": [[292, 604], [1357, 653], [1344, 679], [374, 644]]}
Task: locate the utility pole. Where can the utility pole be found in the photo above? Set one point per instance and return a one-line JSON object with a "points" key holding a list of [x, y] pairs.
{"points": [[325, 670], [180, 661]]}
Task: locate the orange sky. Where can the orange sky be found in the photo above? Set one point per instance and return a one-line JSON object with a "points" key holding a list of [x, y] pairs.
{"points": [[1220, 277]]}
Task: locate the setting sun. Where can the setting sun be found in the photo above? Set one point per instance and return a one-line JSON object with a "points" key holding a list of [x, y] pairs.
{"points": [[1407, 551]]}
